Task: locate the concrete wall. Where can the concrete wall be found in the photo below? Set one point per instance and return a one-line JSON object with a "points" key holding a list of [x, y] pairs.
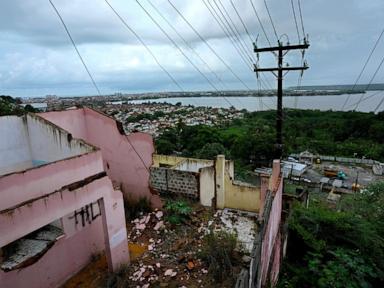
{"points": [[37, 197], [64, 259], [41, 212], [266, 253], [178, 182], [126, 158], [49, 143], [166, 160], [14, 145], [234, 194], [215, 182], [272, 240], [193, 165], [207, 186], [29, 141], [20, 187]]}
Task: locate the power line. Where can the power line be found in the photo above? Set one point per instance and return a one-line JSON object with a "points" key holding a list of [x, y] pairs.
{"points": [[237, 33], [370, 82], [181, 51], [261, 23], [363, 69], [187, 44], [232, 33], [209, 46], [270, 18], [242, 21], [74, 46], [145, 45], [221, 24], [364, 99], [294, 16], [301, 17]]}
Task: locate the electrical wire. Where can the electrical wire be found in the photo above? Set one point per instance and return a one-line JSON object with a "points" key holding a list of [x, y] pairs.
{"points": [[294, 16], [260, 22], [187, 44], [181, 51], [145, 45], [221, 24], [227, 32], [75, 47], [364, 67], [370, 82], [209, 46], [301, 17], [242, 21], [270, 18], [237, 33]]}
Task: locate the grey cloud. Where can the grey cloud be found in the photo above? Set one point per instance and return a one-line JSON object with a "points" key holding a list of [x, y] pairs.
{"points": [[35, 51]]}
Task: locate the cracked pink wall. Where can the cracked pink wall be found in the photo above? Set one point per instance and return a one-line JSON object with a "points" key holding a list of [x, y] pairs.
{"points": [[71, 253], [121, 162], [35, 197], [271, 243]]}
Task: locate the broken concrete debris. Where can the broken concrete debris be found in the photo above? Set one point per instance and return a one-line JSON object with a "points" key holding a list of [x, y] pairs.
{"points": [[172, 255]]}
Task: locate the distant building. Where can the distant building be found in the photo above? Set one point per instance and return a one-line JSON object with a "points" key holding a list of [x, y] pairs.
{"points": [[42, 107], [290, 168]]}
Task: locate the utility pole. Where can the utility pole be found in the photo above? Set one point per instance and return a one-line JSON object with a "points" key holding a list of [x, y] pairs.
{"points": [[281, 50]]}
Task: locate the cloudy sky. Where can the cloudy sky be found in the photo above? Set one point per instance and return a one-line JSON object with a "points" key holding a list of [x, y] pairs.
{"points": [[37, 58]]}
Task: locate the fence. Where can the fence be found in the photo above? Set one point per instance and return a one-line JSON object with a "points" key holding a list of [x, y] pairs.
{"points": [[342, 159]]}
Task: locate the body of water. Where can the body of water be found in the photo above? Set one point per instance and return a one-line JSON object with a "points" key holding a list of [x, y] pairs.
{"points": [[332, 102]]}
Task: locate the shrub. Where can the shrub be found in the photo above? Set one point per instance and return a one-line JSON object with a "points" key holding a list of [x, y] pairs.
{"points": [[218, 251], [177, 211]]}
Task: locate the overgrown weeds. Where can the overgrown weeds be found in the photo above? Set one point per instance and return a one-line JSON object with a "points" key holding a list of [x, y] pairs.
{"points": [[218, 251], [177, 211], [134, 208]]}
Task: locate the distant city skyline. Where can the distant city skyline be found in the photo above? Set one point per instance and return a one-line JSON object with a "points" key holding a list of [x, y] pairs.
{"points": [[37, 58]]}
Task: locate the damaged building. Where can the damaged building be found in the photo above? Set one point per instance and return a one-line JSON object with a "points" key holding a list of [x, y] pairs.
{"points": [[61, 197], [212, 183], [63, 180]]}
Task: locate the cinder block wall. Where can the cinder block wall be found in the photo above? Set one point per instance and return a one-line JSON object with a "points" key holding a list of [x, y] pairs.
{"points": [[179, 182]]}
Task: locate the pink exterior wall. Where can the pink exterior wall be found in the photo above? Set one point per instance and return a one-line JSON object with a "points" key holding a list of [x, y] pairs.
{"points": [[121, 161], [23, 186], [64, 259], [70, 254], [272, 241], [264, 184], [36, 197]]}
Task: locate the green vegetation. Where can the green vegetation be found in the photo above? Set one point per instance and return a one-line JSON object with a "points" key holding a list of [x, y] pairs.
{"points": [[344, 248], [250, 141], [177, 211], [218, 251], [11, 106]]}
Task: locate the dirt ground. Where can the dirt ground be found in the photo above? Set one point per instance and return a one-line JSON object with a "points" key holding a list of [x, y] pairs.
{"points": [[168, 255], [363, 173]]}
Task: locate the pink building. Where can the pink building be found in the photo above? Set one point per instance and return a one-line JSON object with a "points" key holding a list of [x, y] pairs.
{"points": [[126, 158], [58, 207]]}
